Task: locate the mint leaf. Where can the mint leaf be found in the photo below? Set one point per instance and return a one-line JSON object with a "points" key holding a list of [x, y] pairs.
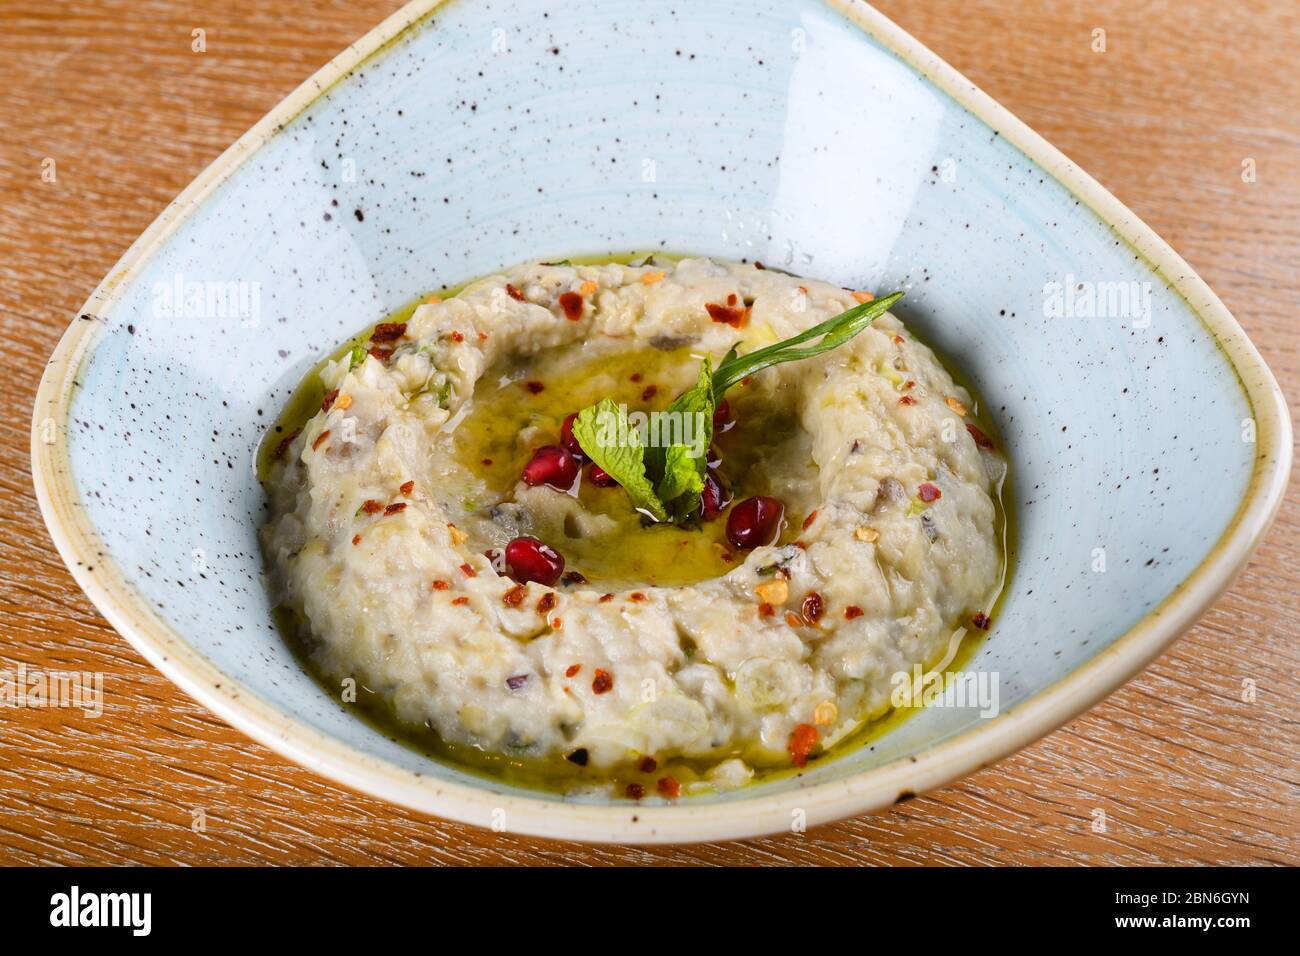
{"points": [[611, 442], [836, 332], [690, 418], [666, 478]]}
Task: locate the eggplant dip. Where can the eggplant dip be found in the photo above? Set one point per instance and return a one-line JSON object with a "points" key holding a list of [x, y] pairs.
{"points": [[650, 529]]}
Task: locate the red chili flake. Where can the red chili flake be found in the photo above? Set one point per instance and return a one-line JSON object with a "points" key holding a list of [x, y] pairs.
{"points": [[981, 620], [468, 571], [669, 787], [557, 623], [440, 585], [899, 340], [514, 293], [356, 539], [571, 303], [371, 507], [731, 299], [320, 438], [606, 597], [388, 332], [382, 355], [636, 377], [285, 442], [907, 400], [813, 607], [482, 336], [732, 315], [793, 619], [981, 439], [546, 604], [909, 384], [515, 596], [457, 337], [635, 791], [852, 611], [534, 388], [487, 461], [328, 401], [648, 765], [406, 487], [572, 670], [516, 682], [766, 610], [603, 682], [812, 516], [928, 492], [460, 600], [395, 507], [636, 596], [801, 744], [649, 392]]}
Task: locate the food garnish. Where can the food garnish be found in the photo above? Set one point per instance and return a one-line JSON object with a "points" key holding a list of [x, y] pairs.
{"points": [[755, 522], [528, 559], [981, 439], [552, 465], [801, 744], [669, 787], [669, 483]]}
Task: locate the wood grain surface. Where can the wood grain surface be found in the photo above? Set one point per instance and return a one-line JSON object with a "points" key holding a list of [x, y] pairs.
{"points": [[1184, 769]]}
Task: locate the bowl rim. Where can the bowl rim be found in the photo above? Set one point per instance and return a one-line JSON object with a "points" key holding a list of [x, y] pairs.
{"points": [[870, 790]]}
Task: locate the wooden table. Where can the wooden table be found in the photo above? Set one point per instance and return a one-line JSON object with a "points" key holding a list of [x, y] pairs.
{"points": [[1184, 769]]}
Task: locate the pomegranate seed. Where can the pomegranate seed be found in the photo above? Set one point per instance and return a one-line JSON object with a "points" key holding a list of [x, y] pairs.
{"points": [[755, 522], [552, 465], [712, 458], [722, 419], [600, 477], [528, 559], [713, 499], [568, 441]]}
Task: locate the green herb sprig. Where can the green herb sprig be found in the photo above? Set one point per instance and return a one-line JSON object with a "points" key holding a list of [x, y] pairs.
{"points": [[664, 482], [835, 331]]}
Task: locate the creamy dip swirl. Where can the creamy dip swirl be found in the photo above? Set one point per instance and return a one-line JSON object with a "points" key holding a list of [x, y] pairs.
{"points": [[378, 532]]}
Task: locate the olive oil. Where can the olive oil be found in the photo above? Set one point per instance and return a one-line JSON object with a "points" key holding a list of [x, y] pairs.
{"points": [[519, 406]]}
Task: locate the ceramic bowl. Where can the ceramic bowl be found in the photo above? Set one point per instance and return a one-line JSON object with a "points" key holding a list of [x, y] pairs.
{"points": [[1150, 445]]}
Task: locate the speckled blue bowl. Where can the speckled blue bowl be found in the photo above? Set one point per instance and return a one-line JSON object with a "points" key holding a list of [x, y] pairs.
{"points": [[1150, 444]]}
